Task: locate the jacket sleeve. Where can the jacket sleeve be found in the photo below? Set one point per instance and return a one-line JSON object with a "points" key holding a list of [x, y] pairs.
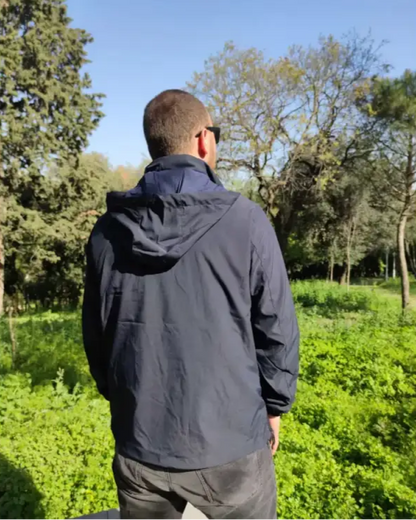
{"points": [[92, 328], [274, 323]]}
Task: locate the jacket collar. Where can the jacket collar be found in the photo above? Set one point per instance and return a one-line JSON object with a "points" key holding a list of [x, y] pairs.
{"points": [[175, 162]]}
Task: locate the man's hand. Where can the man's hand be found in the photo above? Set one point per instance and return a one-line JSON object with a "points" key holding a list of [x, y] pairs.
{"points": [[275, 427]]}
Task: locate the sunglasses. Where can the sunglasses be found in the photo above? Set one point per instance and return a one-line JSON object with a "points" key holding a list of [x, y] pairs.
{"points": [[215, 130]]}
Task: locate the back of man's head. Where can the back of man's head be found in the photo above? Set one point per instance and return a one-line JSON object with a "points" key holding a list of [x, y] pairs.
{"points": [[171, 122]]}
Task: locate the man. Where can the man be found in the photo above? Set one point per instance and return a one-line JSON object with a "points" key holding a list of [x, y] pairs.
{"points": [[190, 329]]}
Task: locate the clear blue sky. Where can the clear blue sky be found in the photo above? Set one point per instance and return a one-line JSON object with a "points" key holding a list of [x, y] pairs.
{"points": [[142, 47]]}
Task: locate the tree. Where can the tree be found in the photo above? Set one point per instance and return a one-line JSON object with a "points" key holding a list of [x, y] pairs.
{"points": [[392, 102], [46, 109], [45, 242], [286, 121], [334, 225]]}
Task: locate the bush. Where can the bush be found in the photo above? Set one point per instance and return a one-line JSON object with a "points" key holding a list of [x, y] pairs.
{"points": [[61, 443], [331, 299], [347, 448], [44, 343]]}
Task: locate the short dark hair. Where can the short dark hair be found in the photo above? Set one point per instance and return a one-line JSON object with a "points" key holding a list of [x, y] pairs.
{"points": [[171, 120]]}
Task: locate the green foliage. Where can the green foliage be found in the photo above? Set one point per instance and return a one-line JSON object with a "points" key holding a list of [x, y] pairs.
{"points": [[45, 244], [392, 108], [61, 442], [320, 132], [393, 286], [50, 194], [347, 448], [331, 299], [46, 343], [394, 100], [45, 105], [47, 112], [293, 125]]}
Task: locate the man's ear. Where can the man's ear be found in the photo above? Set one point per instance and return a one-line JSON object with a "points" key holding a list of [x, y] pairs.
{"points": [[203, 144]]}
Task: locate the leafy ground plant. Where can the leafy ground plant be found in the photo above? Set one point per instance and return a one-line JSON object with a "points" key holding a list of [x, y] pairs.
{"points": [[347, 449]]}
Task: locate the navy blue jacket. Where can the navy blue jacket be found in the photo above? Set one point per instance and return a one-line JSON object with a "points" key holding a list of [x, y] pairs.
{"points": [[188, 319]]}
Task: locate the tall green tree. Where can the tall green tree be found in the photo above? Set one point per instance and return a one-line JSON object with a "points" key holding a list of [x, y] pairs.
{"points": [[78, 198], [392, 102], [285, 121], [45, 240], [332, 223], [46, 108]]}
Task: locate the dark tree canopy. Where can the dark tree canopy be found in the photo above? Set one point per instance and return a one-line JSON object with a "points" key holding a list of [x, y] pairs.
{"points": [[46, 108]]}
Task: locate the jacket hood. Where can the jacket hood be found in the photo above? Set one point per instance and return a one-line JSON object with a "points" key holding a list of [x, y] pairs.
{"points": [[178, 200]]}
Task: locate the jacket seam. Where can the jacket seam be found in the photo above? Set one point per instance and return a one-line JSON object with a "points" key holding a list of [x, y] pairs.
{"points": [[277, 316]]}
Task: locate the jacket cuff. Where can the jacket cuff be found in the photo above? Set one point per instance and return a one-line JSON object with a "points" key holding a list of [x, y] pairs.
{"points": [[272, 411]]}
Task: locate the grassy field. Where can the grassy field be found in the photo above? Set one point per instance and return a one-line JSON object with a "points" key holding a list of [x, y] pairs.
{"points": [[390, 289], [348, 448]]}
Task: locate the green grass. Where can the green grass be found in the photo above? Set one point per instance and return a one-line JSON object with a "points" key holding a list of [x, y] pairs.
{"points": [[391, 288], [347, 448]]}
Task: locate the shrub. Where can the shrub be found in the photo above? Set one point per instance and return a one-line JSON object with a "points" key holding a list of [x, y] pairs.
{"points": [[347, 448], [331, 299], [59, 445]]}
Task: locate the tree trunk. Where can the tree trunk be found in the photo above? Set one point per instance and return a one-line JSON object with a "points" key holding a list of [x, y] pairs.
{"points": [[331, 267], [348, 273], [401, 231], [394, 265], [351, 245], [12, 335], [411, 256], [404, 274], [343, 279], [386, 269], [350, 240]]}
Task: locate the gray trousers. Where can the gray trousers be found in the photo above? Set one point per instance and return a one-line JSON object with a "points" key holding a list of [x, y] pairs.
{"points": [[245, 488]]}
